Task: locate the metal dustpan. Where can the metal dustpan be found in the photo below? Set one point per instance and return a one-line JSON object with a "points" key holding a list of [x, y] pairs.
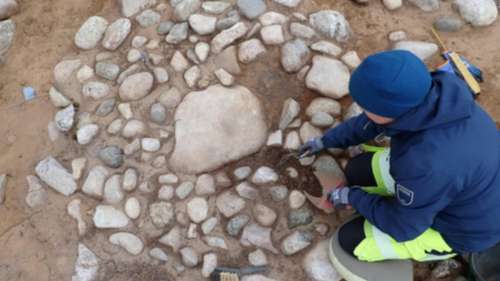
{"points": [[328, 182]]}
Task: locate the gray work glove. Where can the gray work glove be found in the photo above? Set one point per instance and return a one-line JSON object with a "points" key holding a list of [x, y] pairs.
{"points": [[340, 198], [311, 147]]}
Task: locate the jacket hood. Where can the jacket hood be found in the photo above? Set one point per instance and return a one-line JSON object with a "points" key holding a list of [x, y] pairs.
{"points": [[448, 101]]}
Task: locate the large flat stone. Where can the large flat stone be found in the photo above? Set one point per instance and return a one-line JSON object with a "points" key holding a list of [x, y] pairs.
{"points": [[216, 126]]}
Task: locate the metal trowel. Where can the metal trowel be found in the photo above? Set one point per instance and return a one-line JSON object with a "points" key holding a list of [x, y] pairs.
{"points": [[287, 157]]}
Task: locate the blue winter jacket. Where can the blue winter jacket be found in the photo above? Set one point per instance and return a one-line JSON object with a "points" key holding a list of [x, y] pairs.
{"points": [[445, 159]]}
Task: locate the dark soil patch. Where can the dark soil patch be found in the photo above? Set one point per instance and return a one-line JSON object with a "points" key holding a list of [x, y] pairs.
{"points": [[273, 158]]}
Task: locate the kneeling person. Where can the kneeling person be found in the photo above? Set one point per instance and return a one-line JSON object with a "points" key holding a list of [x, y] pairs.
{"points": [[436, 191]]}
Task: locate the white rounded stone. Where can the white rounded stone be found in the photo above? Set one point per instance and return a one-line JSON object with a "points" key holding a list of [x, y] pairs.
{"points": [[205, 185], [158, 254], [478, 12], [209, 264], [127, 241], [166, 192], [264, 215], [109, 217], [112, 190], [91, 32], [326, 105], [134, 55], [392, 4], [133, 208], [329, 77], [398, 35], [257, 258], [192, 75], [209, 225], [296, 199], [57, 98], [150, 144], [161, 74], [202, 50], [96, 90], [130, 178], [264, 175], [85, 73], [331, 24], [272, 18], [197, 209], [423, 50], [86, 134], [250, 50], [292, 141], [272, 34], [116, 33], [189, 257], [202, 24], [133, 128], [327, 48], [242, 173], [229, 204], [224, 77], [351, 59], [136, 86]]}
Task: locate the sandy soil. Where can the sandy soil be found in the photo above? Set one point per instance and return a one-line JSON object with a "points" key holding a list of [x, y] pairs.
{"points": [[41, 244]]}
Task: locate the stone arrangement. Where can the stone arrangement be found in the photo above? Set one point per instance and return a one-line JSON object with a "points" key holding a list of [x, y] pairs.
{"points": [[156, 120]]}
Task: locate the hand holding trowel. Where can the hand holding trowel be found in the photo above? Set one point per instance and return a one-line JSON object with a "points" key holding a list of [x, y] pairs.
{"points": [[331, 191], [331, 185]]}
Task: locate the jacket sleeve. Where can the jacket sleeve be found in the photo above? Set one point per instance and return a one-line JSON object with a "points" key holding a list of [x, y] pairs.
{"points": [[354, 131], [412, 209]]}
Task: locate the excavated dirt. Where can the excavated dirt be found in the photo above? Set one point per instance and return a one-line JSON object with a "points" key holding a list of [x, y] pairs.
{"points": [[41, 244]]}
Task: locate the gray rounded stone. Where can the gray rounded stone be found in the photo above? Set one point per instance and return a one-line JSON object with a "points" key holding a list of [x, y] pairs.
{"points": [[252, 8], [303, 216], [105, 107], [148, 18], [294, 55], [322, 119], [177, 33], [331, 24], [279, 192], [426, 5], [236, 224], [107, 70], [112, 156], [158, 113], [231, 19], [164, 27], [296, 242], [448, 24], [185, 8]]}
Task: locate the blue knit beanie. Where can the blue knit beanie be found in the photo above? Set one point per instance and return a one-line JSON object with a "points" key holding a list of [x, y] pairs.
{"points": [[390, 83]]}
